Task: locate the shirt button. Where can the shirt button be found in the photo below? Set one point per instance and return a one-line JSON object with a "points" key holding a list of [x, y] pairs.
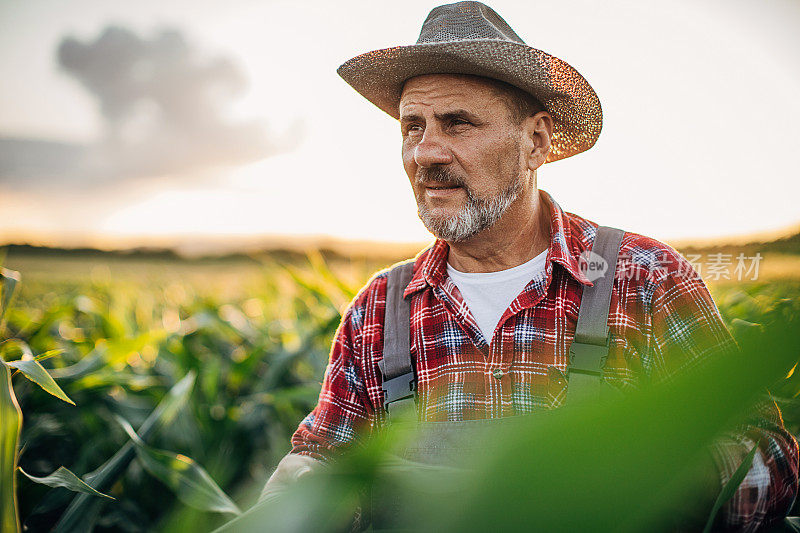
{"points": [[497, 373]]}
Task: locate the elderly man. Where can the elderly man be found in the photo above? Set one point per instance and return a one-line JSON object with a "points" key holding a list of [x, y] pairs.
{"points": [[492, 307]]}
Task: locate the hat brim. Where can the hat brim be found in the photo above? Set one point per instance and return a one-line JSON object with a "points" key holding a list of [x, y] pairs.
{"points": [[577, 116]]}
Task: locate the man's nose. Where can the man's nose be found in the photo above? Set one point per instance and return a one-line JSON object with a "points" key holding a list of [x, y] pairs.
{"points": [[431, 151]]}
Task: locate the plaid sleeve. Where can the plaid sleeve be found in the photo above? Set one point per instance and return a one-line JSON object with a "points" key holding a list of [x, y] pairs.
{"points": [[341, 411], [687, 325], [767, 493]]}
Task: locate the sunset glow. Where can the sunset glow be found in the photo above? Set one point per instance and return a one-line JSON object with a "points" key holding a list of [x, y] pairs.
{"points": [[698, 139]]}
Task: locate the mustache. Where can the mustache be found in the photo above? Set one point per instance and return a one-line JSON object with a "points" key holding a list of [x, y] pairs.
{"points": [[439, 175]]}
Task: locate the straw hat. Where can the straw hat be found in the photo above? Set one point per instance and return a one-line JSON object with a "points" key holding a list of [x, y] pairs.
{"points": [[471, 38]]}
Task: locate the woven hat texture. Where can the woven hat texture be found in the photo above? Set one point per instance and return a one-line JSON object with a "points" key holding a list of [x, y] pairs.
{"points": [[471, 38]]}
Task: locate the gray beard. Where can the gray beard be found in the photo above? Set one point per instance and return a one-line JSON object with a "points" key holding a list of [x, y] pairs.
{"points": [[477, 214]]}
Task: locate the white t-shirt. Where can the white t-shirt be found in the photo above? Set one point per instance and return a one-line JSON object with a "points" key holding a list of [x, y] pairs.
{"points": [[488, 294]]}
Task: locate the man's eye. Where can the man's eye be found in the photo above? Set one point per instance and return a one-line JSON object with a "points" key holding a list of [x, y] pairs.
{"points": [[459, 122], [413, 128]]}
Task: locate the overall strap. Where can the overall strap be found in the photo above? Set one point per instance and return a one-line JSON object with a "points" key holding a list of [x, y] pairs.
{"points": [[399, 381], [588, 351]]}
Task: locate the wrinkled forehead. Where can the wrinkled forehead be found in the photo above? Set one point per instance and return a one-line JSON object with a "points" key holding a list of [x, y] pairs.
{"points": [[449, 90]]}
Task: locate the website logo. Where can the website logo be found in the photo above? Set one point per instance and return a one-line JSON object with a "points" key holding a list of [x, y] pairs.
{"points": [[592, 265]]}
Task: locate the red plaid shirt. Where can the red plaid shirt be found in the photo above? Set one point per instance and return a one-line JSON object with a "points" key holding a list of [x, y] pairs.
{"points": [[658, 302]]}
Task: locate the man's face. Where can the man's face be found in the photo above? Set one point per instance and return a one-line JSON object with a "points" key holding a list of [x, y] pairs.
{"points": [[462, 153]]}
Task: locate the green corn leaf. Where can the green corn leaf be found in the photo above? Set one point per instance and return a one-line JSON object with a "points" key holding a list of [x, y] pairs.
{"points": [[8, 282], [83, 511], [48, 354], [323, 271], [792, 523], [15, 349], [91, 362], [36, 373], [190, 482], [119, 348], [10, 427], [169, 407], [63, 477], [730, 487]]}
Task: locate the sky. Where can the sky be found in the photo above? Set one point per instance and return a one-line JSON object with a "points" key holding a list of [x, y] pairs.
{"points": [[161, 121]]}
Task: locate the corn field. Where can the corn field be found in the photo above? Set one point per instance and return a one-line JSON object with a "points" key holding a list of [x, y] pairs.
{"points": [[159, 397]]}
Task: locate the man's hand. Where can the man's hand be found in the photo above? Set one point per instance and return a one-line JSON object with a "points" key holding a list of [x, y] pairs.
{"points": [[289, 470]]}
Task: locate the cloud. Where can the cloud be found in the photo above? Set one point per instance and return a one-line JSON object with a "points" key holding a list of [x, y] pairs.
{"points": [[32, 159], [165, 112]]}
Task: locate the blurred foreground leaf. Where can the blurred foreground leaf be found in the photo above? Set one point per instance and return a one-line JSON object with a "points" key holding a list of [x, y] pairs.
{"points": [[626, 465], [190, 482], [616, 465], [63, 477]]}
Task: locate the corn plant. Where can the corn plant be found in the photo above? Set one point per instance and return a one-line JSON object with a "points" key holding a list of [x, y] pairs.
{"points": [[167, 362], [189, 480]]}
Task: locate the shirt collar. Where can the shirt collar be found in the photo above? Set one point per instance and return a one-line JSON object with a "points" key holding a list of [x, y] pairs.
{"points": [[430, 267]]}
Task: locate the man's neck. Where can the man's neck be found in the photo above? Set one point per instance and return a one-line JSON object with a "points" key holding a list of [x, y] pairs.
{"points": [[520, 235]]}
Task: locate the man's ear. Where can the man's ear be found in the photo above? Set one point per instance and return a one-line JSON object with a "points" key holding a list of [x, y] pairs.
{"points": [[538, 130]]}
